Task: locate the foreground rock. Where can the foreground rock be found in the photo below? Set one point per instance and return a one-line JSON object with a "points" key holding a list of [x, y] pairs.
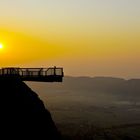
{"points": [[22, 113]]}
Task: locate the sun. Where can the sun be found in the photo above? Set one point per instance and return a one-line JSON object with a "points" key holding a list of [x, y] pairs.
{"points": [[1, 46]]}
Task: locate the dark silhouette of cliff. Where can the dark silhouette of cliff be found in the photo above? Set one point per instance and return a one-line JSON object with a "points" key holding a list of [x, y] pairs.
{"points": [[22, 113]]}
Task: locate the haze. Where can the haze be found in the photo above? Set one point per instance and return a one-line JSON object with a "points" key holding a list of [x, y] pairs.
{"points": [[86, 37]]}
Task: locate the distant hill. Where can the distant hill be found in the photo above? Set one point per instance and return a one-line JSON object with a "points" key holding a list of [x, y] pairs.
{"points": [[128, 90], [120, 87], [97, 83], [22, 113]]}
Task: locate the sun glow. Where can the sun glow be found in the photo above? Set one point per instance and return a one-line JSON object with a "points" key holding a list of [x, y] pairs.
{"points": [[1, 46]]}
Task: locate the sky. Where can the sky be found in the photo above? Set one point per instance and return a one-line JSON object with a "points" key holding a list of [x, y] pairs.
{"points": [[86, 37]]}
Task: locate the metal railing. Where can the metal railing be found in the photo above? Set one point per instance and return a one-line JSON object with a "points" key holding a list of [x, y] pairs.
{"points": [[34, 74]]}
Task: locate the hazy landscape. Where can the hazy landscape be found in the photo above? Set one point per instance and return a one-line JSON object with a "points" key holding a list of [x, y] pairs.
{"points": [[48, 40], [93, 108]]}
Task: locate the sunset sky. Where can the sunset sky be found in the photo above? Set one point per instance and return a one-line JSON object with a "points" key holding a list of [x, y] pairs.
{"points": [[86, 37]]}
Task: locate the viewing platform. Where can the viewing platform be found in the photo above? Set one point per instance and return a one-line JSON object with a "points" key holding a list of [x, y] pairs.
{"points": [[51, 74]]}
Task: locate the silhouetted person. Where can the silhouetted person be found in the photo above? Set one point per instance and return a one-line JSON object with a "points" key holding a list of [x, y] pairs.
{"points": [[40, 73], [22, 113]]}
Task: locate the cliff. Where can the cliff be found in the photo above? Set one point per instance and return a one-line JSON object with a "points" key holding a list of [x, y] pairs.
{"points": [[22, 113]]}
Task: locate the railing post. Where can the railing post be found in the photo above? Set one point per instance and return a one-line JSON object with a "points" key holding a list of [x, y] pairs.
{"points": [[54, 70]]}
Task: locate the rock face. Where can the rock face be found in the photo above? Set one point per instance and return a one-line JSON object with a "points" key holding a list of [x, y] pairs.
{"points": [[22, 113]]}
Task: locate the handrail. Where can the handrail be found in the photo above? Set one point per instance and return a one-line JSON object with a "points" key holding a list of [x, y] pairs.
{"points": [[32, 73]]}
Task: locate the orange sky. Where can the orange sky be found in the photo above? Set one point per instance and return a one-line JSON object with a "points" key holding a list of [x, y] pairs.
{"points": [[87, 38]]}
